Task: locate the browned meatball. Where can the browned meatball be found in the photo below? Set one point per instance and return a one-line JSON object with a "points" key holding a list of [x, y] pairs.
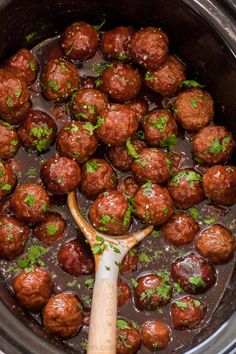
{"points": [[38, 131], [97, 176], [128, 338], [62, 315], [153, 165], [194, 108], [60, 175], [119, 123], [219, 184], [88, 103], [8, 179], [24, 64], [193, 273], [33, 289], [217, 244], [123, 292], [153, 204], [115, 43], [187, 312], [128, 187], [77, 141], [130, 261], [180, 229], [79, 41], [121, 81], [75, 259], [149, 47], [186, 188], [13, 237], [59, 80], [159, 126], [140, 107], [155, 335], [30, 202], [213, 144], [111, 213], [51, 229], [9, 142]]}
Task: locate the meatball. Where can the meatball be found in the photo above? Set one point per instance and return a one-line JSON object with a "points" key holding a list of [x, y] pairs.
{"points": [[88, 103], [194, 108], [30, 202], [217, 244], [33, 289], [153, 204], [130, 261], [119, 123], [159, 126], [140, 107], [180, 229], [123, 156], [60, 175], [51, 229], [9, 142], [213, 145], [79, 41], [219, 184], [123, 292], [111, 213], [62, 315], [24, 64], [155, 335], [77, 141], [59, 80], [151, 292], [153, 165], [38, 131], [128, 187], [128, 338], [75, 259], [186, 188], [121, 81], [166, 79], [97, 176], [115, 43], [149, 47], [13, 237], [187, 312], [8, 179], [193, 273]]}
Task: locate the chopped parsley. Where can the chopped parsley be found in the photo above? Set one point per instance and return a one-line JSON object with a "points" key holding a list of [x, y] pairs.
{"points": [[131, 149], [9, 102], [210, 219], [92, 166], [168, 142], [81, 115], [33, 256], [160, 123], [18, 92], [122, 56], [196, 281], [197, 303], [63, 66], [147, 188], [74, 128], [141, 162], [91, 109], [181, 304], [127, 216], [191, 83], [98, 27], [229, 170], [194, 103], [122, 324], [155, 233], [29, 37], [134, 282], [89, 283], [98, 82], [32, 65], [90, 127], [53, 85], [105, 219], [216, 147], [194, 213], [29, 200], [148, 76], [99, 68], [51, 229], [143, 257], [163, 291], [165, 210], [100, 246], [31, 173], [41, 131], [190, 176], [5, 186], [140, 134]]}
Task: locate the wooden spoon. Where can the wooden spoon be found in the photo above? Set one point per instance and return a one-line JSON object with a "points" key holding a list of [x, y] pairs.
{"points": [[108, 252]]}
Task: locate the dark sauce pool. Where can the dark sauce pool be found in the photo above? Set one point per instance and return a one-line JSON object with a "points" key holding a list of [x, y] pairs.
{"points": [[156, 254]]}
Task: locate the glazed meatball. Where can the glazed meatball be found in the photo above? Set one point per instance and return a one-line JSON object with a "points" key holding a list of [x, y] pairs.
{"points": [[60, 175], [194, 108], [149, 47], [130, 261], [30, 202], [59, 80], [77, 141], [153, 204], [213, 145], [128, 338], [24, 64], [62, 315], [159, 125], [217, 244], [153, 165], [97, 176], [119, 123], [151, 291], [155, 335], [166, 79], [75, 259], [219, 184], [115, 43], [51, 229], [140, 107], [38, 131], [8, 179], [88, 103], [9, 142], [187, 312], [13, 237], [79, 41], [123, 292], [111, 213], [186, 188], [33, 289], [121, 81], [193, 273], [180, 229], [128, 187]]}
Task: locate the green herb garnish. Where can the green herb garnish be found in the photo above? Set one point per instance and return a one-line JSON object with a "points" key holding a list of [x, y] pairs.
{"points": [[191, 83], [92, 166], [131, 149]]}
